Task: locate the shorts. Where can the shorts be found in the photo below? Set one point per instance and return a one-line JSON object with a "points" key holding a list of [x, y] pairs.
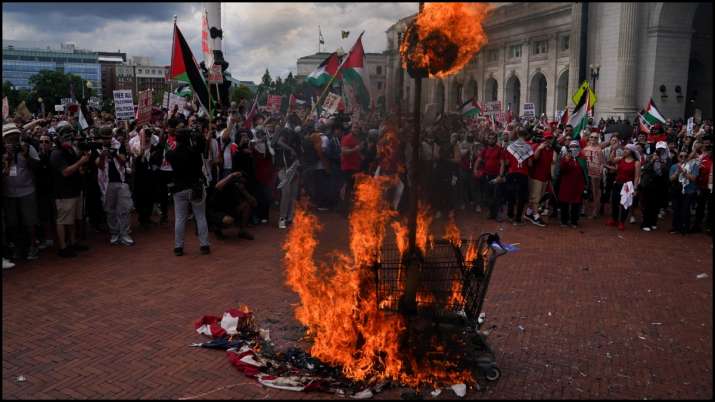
{"points": [[69, 210], [21, 210], [536, 190]]}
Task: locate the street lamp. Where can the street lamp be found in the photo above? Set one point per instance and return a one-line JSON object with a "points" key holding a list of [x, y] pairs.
{"points": [[595, 69], [89, 86]]}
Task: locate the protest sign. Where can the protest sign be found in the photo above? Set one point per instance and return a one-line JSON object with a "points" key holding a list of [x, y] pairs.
{"points": [[215, 75], [529, 110], [5, 108], [500, 117], [331, 103], [691, 124], [492, 108], [274, 103], [94, 102], [144, 107], [174, 99], [123, 104], [59, 108]]}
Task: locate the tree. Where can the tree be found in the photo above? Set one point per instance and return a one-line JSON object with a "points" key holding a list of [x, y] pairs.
{"points": [[52, 86], [241, 91], [265, 86], [278, 87], [291, 84]]}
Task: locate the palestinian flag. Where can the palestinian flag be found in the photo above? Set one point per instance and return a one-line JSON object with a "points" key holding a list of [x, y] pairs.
{"points": [[184, 68], [650, 117], [355, 74], [579, 117], [470, 109], [325, 71]]}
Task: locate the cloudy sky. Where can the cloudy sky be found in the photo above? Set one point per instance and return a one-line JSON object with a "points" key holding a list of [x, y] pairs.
{"points": [[256, 35]]}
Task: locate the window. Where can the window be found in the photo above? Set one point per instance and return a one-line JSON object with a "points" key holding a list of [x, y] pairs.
{"points": [[564, 42], [515, 52], [139, 70], [540, 47], [378, 70], [493, 55]]}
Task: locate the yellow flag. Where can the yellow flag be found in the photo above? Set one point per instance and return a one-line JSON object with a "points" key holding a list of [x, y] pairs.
{"points": [[579, 93], [591, 97]]}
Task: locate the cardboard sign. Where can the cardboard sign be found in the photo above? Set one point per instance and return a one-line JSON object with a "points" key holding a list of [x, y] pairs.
{"points": [[492, 108], [331, 103], [274, 103], [144, 107], [529, 110], [123, 104], [215, 75]]}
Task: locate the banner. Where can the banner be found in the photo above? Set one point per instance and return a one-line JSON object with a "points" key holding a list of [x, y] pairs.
{"points": [[144, 107], [274, 103], [529, 110], [173, 99], [5, 108], [215, 75], [123, 104], [492, 108], [59, 108], [331, 103], [94, 102]]}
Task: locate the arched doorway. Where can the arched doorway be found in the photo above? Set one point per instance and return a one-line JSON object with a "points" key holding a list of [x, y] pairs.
{"points": [[513, 96], [490, 90], [699, 88], [439, 96], [537, 93], [470, 90], [562, 88]]}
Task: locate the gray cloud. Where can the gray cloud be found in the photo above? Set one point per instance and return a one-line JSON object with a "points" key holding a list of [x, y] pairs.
{"points": [[256, 35]]}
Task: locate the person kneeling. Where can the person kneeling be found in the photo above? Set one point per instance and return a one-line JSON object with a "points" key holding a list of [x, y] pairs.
{"points": [[230, 203]]}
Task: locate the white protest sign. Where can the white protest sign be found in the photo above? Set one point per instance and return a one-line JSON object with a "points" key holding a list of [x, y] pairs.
{"points": [[123, 104], [529, 110], [331, 103], [215, 75], [691, 125], [94, 102], [492, 108], [174, 99], [59, 108]]}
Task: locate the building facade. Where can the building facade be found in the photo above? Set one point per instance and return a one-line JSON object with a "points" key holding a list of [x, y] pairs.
{"points": [[20, 61], [108, 62], [376, 66], [141, 74], [661, 51]]}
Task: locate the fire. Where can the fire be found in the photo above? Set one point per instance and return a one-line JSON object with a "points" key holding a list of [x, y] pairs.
{"points": [[444, 37], [452, 232], [338, 303], [471, 253], [424, 222]]}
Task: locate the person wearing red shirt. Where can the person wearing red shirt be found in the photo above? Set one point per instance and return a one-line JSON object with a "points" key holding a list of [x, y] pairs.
{"points": [[539, 177], [704, 184], [573, 182], [627, 169], [518, 159], [487, 168], [350, 161]]}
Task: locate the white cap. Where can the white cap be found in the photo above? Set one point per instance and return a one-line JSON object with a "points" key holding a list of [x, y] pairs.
{"points": [[661, 145]]}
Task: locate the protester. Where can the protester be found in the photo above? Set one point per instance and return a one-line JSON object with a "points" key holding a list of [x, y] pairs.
{"points": [[595, 159], [627, 168], [683, 177], [573, 175], [517, 162], [112, 178]]}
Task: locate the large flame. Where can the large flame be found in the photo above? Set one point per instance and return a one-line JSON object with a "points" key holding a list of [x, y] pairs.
{"points": [[447, 36], [338, 303]]}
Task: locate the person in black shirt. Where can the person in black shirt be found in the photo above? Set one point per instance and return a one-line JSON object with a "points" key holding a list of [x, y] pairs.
{"points": [[112, 179], [229, 203], [188, 188]]}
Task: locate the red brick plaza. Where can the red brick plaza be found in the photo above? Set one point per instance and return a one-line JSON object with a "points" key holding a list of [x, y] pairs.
{"points": [[584, 314]]}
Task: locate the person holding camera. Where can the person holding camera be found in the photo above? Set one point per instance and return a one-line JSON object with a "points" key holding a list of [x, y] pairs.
{"points": [[188, 188], [68, 165], [116, 196], [20, 200]]}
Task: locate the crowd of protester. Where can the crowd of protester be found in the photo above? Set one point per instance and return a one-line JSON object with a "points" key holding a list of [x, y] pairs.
{"points": [[61, 182]]}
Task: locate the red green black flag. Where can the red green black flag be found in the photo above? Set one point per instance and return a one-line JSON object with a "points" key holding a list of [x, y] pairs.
{"points": [[184, 68]]}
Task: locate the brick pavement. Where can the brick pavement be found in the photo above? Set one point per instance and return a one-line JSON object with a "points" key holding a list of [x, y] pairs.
{"points": [[606, 314]]}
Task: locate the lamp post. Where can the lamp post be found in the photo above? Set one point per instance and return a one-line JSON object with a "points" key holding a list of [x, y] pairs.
{"points": [[594, 78]]}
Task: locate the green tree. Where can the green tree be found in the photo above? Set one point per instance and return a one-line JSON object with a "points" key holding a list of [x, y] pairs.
{"points": [[52, 86], [264, 87], [241, 91], [291, 84]]}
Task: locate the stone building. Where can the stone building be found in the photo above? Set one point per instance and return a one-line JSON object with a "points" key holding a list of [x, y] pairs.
{"points": [[141, 74], [661, 51]]}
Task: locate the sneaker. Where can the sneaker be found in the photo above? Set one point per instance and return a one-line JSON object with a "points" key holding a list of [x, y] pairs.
{"points": [[179, 251], [67, 252], [79, 247], [632, 220], [7, 264], [282, 224], [621, 227], [115, 239], [126, 240], [264, 221], [33, 253], [611, 222], [45, 244], [205, 249], [529, 217], [645, 229], [245, 235], [653, 227], [536, 221]]}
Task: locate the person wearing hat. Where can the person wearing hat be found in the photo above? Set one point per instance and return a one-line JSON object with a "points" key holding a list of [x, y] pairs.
{"points": [[653, 184], [573, 178], [68, 167], [116, 196], [539, 177], [20, 199]]}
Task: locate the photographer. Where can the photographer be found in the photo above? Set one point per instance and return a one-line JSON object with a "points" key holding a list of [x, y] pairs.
{"points": [[68, 168], [188, 177], [117, 199], [19, 194]]}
